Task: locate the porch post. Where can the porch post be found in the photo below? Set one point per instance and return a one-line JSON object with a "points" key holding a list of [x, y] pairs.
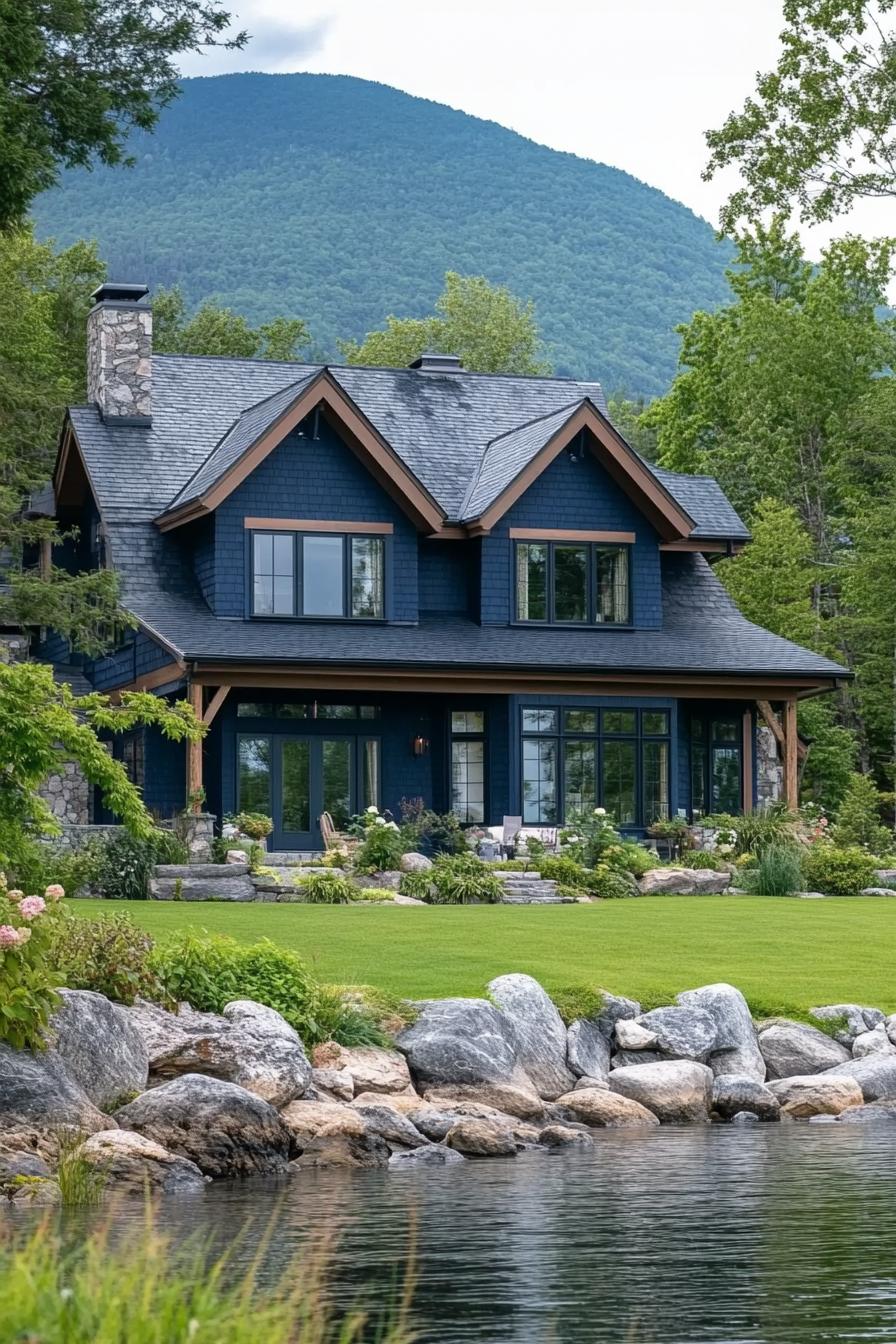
{"points": [[747, 762], [791, 773], [194, 748]]}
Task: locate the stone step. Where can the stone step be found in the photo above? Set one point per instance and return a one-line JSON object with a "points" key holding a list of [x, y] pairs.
{"points": [[289, 858], [201, 882], [195, 870], [537, 900]]}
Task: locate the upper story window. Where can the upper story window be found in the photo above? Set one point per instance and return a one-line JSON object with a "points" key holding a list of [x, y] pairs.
{"points": [[318, 574], [573, 583]]}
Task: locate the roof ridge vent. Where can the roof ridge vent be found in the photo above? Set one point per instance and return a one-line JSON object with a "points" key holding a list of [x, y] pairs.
{"points": [[433, 362]]}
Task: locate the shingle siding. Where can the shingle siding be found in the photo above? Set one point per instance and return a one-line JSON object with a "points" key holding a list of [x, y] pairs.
{"points": [[576, 496], [320, 479], [447, 572]]}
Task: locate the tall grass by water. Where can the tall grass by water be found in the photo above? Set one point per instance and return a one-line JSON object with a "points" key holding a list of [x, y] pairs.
{"points": [[140, 1289]]}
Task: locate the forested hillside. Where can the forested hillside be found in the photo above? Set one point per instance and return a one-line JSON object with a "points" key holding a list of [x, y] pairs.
{"points": [[340, 201]]}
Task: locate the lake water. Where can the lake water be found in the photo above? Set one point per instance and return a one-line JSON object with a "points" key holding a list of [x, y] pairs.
{"points": [[776, 1234]]}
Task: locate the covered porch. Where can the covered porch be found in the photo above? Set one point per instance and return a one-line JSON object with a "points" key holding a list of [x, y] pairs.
{"points": [[296, 744]]}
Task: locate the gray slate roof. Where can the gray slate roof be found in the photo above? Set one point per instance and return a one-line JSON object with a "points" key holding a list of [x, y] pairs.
{"points": [[447, 429]]}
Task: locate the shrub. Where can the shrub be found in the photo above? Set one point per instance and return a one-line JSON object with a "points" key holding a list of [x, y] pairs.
{"points": [[777, 873], [41, 865], [754, 831], [382, 843], [634, 859], [253, 824], [325, 888], [127, 862], [572, 893], [430, 832], [702, 858], [610, 885], [416, 885], [564, 871], [837, 872], [209, 970], [108, 954], [858, 820], [254, 852], [578, 1001], [28, 979], [460, 879], [343, 1018], [598, 832]]}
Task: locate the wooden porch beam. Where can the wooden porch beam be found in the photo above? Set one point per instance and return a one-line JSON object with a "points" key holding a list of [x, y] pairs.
{"points": [[771, 720], [194, 748], [215, 704], [791, 743], [747, 761]]}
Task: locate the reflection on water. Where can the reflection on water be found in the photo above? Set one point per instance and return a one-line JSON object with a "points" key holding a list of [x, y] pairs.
{"points": [[777, 1234]]}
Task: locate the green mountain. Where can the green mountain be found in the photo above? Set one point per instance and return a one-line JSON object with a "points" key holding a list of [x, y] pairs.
{"points": [[340, 201]]}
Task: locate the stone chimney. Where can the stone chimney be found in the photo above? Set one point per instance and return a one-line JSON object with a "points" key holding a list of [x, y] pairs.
{"points": [[119, 354]]}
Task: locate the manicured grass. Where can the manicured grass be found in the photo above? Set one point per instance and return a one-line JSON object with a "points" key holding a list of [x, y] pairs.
{"points": [[783, 953]]}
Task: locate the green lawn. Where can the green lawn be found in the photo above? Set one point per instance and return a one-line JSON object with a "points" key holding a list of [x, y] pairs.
{"points": [[781, 953]]}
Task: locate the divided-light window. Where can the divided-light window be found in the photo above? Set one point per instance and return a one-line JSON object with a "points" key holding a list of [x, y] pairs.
{"points": [[573, 583], [318, 574]]}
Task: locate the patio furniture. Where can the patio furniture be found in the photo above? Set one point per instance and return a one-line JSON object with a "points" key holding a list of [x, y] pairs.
{"points": [[510, 828], [333, 839]]}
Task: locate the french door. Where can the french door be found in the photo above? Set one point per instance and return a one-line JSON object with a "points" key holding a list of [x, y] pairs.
{"points": [[296, 778]]}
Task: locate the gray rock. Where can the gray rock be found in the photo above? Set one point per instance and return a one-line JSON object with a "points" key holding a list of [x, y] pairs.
{"points": [[336, 1083], [587, 1081], [678, 1091], [100, 1047], [40, 1194], [37, 1092], [391, 1126], [877, 891], [875, 1042], [344, 1150], [248, 1044], [374, 1068], [634, 1036], [481, 1138], [616, 1008], [540, 1033], [414, 863], [683, 881], [522, 1103], [461, 1041], [134, 1164], [602, 1109], [623, 1058], [386, 881], [682, 1031], [858, 1019], [561, 1136], [745, 1118], [225, 1129], [890, 1027], [587, 1049], [435, 1155], [229, 885], [733, 1095], [792, 1050], [815, 1094], [875, 1074], [871, 1113], [13, 1164], [736, 1049]]}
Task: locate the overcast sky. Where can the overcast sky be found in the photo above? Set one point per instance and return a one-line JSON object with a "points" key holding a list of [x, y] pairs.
{"points": [[632, 83]]}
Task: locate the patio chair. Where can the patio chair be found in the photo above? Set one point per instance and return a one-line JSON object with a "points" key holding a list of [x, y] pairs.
{"points": [[334, 839], [510, 829]]}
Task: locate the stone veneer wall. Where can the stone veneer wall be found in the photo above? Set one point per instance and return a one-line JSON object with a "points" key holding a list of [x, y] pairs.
{"points": [[769, 768], [68, 794], [119, 360]]}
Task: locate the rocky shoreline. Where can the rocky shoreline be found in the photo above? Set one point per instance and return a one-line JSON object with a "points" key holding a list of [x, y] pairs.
{"points": [[169, 1101]]}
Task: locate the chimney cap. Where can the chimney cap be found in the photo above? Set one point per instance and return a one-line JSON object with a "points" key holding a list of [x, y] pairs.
{"points": [[433, 362], [112, 293]]}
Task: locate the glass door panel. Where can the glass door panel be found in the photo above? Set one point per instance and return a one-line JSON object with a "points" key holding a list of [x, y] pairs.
{"points": [[370, 772], [336, 778], [254, 774], [619, 782], [579, 777], [295, 801]]}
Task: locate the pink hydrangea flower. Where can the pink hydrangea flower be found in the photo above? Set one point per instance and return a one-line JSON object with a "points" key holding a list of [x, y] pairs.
{"points": [[9, 937], [32, 906], [15, 894], [54, 892]]}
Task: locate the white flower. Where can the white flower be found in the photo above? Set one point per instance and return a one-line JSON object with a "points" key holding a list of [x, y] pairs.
{"points": [[379, 821], [372, 810], [391, 826], [600, 811]]}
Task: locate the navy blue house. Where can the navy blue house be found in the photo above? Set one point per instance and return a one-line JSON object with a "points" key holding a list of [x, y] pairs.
{"points": [[387, 584]]}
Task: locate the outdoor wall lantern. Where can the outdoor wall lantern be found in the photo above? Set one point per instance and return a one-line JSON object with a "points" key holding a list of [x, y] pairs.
{"points": [[420, 746]]}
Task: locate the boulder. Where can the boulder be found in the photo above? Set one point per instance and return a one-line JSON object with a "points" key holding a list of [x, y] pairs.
{"points": [[100, 1047], [587, 1081], [633, 1036], [391, 1126], [615, 1008], [679, 1091], [745, 1118], [561, 1136], [540, 1032], [37, 1093], [305, 1120], [733, 1094], [607, 1109], [414, 863], [875, 1042], [875, 1075], [134, 1164], [815, 1094], [872, 1113], [858, 1019], [890, 1027], [225, 1129], [682, 1031], [14, 1164], [434, 1155], [336, 1083], [736, 1049], [520, 1102], [481, 1138], [344, 1150], [587, 1049], [248, 1044], [461, 1041], [792, 1050], [374, 1068], [38, 1194], [400, 899], [683, 881], [623, 1058]]}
